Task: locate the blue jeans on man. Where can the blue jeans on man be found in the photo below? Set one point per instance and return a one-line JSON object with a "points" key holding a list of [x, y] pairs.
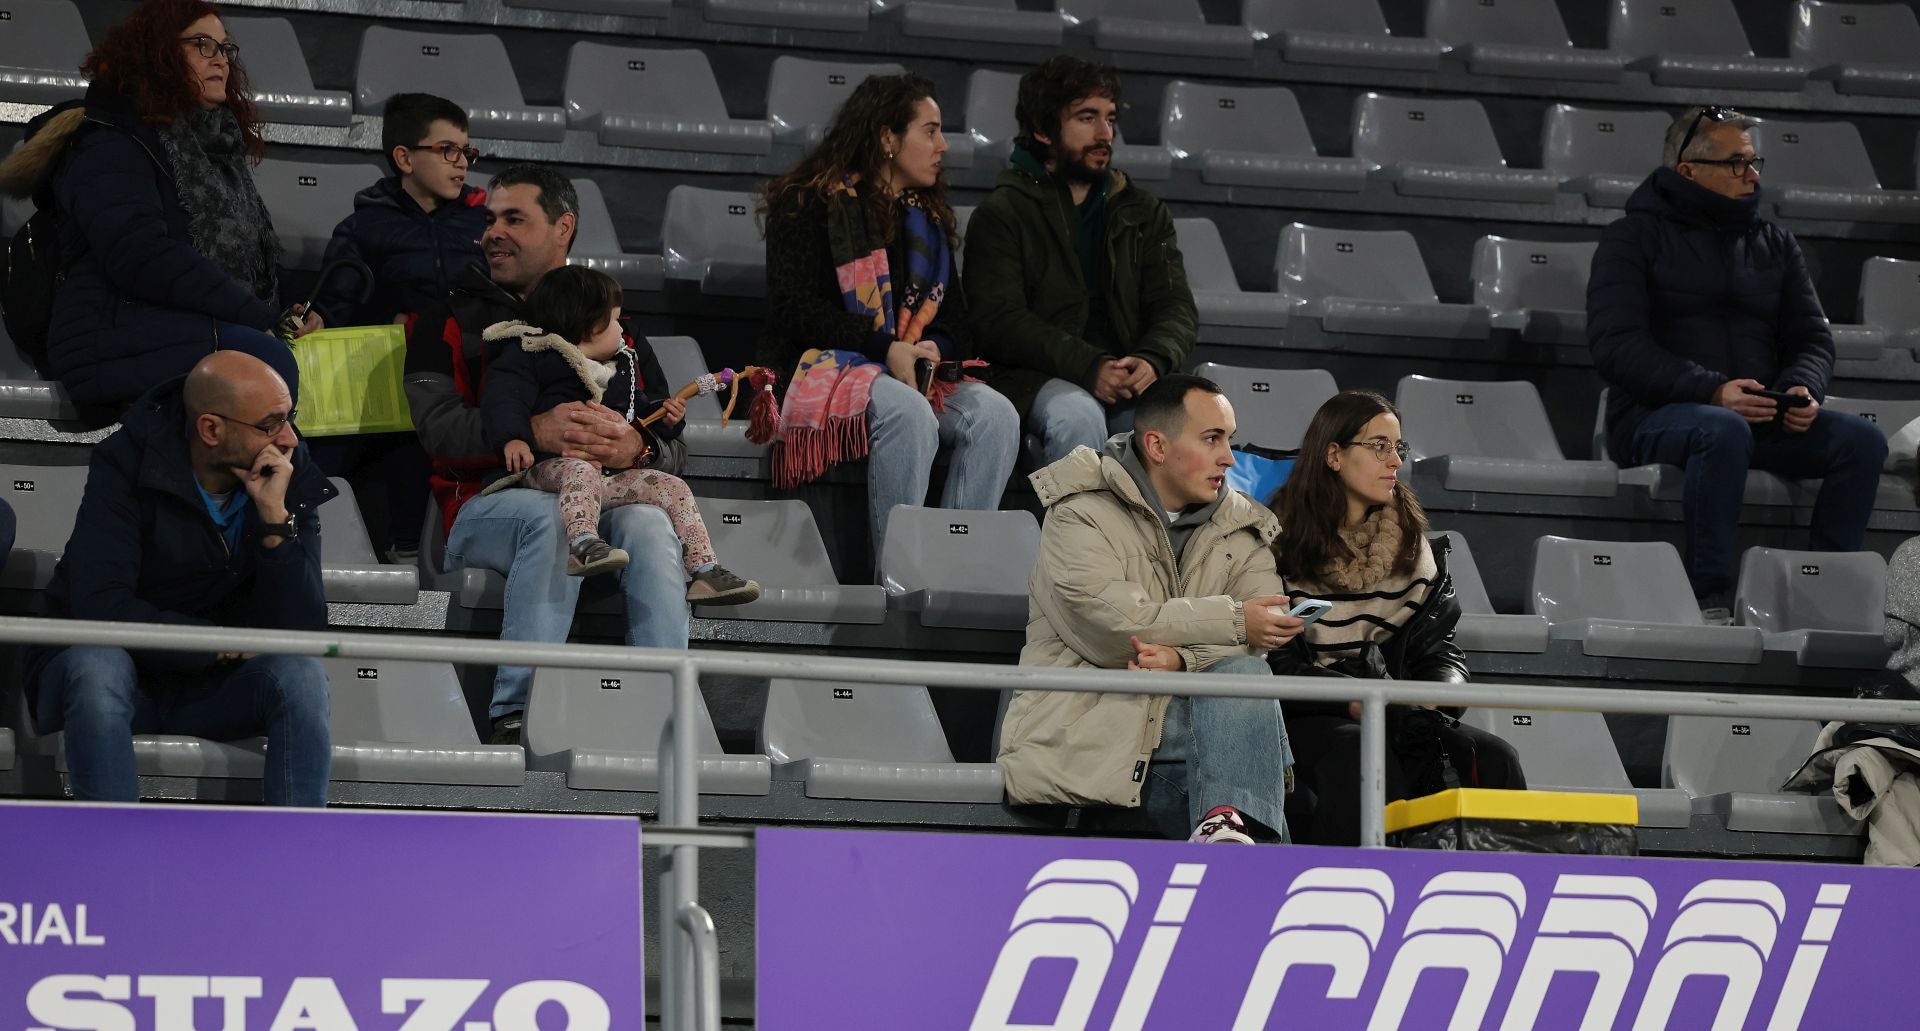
{"points": [[1220, 751], [1065, 416], [100, 698], [1716, 447], [517, 533]]}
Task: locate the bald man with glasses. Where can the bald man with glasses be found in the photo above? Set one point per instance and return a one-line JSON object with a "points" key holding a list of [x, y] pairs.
{"points": [[201, 510], [1716, 354]]}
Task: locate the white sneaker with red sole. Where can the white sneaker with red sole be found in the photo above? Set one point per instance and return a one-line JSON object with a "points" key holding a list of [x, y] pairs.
{"points": [[1223, 825]]}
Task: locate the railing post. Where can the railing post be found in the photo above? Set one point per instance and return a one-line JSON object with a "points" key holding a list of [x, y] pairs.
{"points": [[680, 865], [1373, 769]]}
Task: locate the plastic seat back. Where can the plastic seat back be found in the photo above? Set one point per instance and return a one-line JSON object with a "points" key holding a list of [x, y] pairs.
{"points": [[1476, 417], [706, 226], [1782, 590], [874, 722], [1515, 22], [604, 79], [45, 500], [1643, 28], [1348, 17], [802, 94], [1175, 11], [275, 63], [46, 35], [1711, 755], [1642, 581], [990, 100], [471, 69], [307, 200], [1380, 264], [1513, 275], [1827, 34], [1890, 293], [1199, 117], [572, 710], [939, 549], [1829, 154], [1468, 587], [1582, 141], [395, 700], [775, 542], [1271, 406], [1204, 255], [1391, 130]]}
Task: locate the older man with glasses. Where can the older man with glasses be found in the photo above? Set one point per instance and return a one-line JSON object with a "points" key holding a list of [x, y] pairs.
{"points": [[1705, 326], [201, 510]]}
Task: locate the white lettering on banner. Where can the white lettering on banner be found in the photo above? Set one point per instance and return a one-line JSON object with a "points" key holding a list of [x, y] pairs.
{"points": [[61, 1002], [18, 925], [1333, 916], [1725, 929], [442, 1002], [1096, 896]]}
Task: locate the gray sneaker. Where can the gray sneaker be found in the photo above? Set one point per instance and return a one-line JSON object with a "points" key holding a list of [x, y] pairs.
{"points": [[716, 586], [594, 555], [1716, 609]]}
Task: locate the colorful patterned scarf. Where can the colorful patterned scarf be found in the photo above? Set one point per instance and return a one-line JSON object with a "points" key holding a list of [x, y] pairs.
{"points": [[824, 420]]}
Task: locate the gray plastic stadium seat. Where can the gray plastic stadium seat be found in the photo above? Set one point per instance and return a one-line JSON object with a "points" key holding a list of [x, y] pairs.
{"points": [[1524, 38], [965, 569], [343, 535], [830, 15], [618, 8], [1536, 288], [1480, 628], [1695, 43], [307, 200], [597, 246], [711, 238], [602, 729], [1272, 406], [349, 569], [400, 722], [683, 362], [1370, 281], [1629, 599], [1158, 27], [41, 51], [802, 94], [1248, 136], [1216, 290], [870, 741], [991, 127], [6, 748], [1866, 340], [1863, 48], [176, 755], [1733, 767], [1603, 155], [1431, 147], [1895, 493], [779, 544], [24, 394], [1821, 170], [44, 500], [471, 68], [277, 70], [1827, 608], [1349, 33], [1487, 436], [1573, 751], [659, 99], [979, 21], [1890, 299]]}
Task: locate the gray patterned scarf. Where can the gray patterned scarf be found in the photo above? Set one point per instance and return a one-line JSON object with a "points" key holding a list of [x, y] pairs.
{"points": [[228, 219]]}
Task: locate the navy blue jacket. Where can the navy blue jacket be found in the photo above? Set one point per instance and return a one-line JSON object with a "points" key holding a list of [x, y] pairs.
{"points": [[139, 304], [414, 254], [145, 550], [522, 384], [1692, 289]]}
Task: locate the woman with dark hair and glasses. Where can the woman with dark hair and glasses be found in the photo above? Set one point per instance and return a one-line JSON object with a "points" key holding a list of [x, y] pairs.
{"points": [[169, 252], [1353, 535]]}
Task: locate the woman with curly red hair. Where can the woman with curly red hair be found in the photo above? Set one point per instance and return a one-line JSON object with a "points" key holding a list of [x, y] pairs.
{"points": [[169, 250]]}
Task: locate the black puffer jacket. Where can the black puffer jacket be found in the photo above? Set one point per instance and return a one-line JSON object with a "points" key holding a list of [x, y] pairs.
{"points": [[1692, 289], [1422, 650]]}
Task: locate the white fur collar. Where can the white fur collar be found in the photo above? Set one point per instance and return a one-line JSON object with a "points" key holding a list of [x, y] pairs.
{"points": [[594, 375]]}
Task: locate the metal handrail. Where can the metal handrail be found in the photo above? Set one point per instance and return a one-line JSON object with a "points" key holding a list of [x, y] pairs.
{"points": [[698, 925], [684, 975]]}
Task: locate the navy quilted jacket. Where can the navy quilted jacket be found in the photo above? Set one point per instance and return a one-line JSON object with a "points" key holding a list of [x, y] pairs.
{"points": [[139, 304], [1692, 289], [414, 254]]}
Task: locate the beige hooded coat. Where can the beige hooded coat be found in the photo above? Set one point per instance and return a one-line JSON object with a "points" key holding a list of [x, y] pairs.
{"points": [[1107, 572]]}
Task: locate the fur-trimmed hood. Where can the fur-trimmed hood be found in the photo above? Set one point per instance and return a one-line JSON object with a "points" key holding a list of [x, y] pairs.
{"points": [[533, 340], [26, 170]]}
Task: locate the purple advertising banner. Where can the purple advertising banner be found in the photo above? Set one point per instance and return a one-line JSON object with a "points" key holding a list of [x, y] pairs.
{"points": [[989, 933], [174, 918]]}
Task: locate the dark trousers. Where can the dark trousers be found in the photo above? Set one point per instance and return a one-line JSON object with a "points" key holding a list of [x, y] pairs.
{"points": [[395, 463], [1325, 806]]}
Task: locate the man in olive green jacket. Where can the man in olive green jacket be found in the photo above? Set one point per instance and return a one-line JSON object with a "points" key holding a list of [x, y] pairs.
{"points": [[1149, 561], [1073, 273]]}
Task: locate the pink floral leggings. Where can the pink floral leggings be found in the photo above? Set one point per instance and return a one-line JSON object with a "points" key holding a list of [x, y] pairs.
{"points": [[584, 490]]}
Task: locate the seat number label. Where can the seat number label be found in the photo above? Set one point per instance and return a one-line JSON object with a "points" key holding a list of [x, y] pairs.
{"points": [[609, 683]]}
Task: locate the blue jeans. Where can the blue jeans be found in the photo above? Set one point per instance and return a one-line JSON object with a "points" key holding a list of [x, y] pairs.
{"points": [[979, 425], [1717, 447], [1221, 751], [101, 699], [517, 533], [1065, 417], [264, 346]]}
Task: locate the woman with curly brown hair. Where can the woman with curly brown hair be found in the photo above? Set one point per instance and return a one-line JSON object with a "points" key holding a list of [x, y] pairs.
{"points": [[169, 251], [866, 316]]}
